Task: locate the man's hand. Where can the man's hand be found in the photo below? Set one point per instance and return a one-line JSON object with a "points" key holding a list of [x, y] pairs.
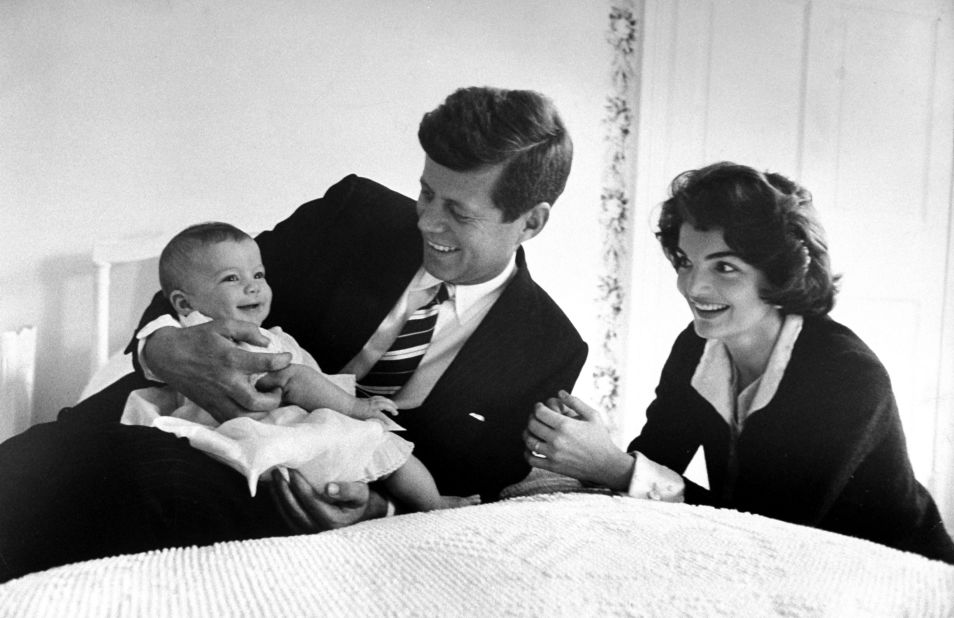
{"points": [[306, 509], [204, 363], [566, 436], [290, 382]]}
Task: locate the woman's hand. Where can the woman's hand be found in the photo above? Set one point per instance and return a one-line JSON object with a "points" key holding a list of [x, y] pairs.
{"points": [[306, 509], [566, 436], [204, 364]]}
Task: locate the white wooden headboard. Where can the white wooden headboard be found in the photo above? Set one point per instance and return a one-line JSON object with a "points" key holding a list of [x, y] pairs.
{"points": [[106, 255], [107, 366]]}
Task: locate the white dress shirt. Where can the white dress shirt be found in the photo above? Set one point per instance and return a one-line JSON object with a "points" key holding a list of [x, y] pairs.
{"points": [[458, 319]]}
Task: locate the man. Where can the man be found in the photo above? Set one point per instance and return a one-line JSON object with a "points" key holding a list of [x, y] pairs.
{"points": [[347, 271]]}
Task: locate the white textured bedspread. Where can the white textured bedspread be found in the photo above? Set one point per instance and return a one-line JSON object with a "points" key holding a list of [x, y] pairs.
{"points": [[549, 555]]}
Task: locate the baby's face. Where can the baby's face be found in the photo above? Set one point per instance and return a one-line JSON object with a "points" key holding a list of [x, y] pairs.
{"points": [[228, 281]]}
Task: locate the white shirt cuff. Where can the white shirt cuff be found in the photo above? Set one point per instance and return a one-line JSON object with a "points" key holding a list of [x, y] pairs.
{"points": [[161, 322], [653, 481]]}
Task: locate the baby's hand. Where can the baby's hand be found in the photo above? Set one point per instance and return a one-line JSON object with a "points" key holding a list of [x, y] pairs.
{"points": [[382, 404], [373, 407]]}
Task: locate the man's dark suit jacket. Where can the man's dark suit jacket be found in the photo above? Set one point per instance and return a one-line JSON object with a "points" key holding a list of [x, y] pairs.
{"points": [[338, 265], [86, 486]]}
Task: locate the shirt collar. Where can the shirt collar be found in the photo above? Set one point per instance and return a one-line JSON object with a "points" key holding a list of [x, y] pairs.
{"points": [[465, 297], [713, 378], [778, 361], [194, 319]]}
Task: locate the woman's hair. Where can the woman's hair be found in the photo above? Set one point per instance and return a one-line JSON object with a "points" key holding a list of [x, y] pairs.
{"points": [[768, 220], [479, 127], [176, 258]]}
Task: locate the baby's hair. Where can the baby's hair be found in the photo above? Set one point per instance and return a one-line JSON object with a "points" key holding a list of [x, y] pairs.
{"points": [[175, 261]]}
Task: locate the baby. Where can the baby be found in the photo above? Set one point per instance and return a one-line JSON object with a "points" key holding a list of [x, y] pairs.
{"points": [[214, 271]]}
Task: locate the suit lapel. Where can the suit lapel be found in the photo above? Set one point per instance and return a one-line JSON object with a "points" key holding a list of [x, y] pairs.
{"points": [[364, 297], [478, 360], [375, 266]]}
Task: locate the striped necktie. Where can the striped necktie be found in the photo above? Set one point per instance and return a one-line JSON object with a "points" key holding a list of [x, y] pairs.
{"points": [[398, 364]]}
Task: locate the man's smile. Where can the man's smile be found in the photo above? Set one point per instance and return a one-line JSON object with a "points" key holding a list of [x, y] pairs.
{"points": [[441, 248]]}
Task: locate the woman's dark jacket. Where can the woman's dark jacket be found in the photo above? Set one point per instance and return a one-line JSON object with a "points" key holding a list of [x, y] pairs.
{"points": [[827, 451]]}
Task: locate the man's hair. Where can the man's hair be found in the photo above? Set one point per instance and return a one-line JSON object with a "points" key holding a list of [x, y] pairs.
{"points": [[480, 127], [768, 220], [176, 259]]}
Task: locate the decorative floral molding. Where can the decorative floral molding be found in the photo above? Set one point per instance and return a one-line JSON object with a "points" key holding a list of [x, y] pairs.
{"points": [[616, 200]]}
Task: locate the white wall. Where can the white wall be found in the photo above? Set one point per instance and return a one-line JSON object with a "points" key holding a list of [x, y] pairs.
{"points": [[126, 117], [854, 98]]}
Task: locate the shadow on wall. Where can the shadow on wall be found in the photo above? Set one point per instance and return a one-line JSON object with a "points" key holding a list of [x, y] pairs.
{"points": [[66, 329], [62, 352]]}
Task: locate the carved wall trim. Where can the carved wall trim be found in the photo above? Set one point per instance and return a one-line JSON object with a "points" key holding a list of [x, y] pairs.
{"points": [[615, 207]]}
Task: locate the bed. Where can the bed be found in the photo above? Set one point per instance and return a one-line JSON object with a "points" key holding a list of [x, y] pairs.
{"points": [[551, 548], [550, 554]]}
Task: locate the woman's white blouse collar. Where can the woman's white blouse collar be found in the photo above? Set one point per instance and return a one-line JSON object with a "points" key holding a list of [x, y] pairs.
{"points": [[713, 376]]}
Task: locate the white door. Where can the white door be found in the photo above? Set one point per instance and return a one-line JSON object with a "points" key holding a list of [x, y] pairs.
{"points": [[856, 100]]}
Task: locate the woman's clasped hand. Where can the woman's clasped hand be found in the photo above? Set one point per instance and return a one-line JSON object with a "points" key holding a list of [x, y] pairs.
{"points": [[567, 436]]}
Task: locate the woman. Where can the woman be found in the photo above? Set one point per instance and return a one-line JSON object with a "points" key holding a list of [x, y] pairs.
{"points": [[795, 414]]}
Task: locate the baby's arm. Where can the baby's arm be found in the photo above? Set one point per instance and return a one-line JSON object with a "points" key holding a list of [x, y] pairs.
{"points": [[305, 387]]}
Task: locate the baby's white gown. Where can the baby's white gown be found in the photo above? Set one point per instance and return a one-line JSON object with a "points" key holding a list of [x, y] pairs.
{"points": [[323, 444]]}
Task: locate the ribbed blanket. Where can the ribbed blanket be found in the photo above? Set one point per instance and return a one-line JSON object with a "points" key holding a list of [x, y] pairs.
{"points": [[545, 555]]}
